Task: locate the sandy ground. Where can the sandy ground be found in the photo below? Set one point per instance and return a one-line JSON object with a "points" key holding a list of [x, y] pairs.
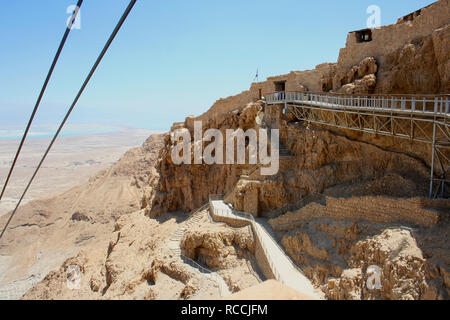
{"points": [[71, 162]]}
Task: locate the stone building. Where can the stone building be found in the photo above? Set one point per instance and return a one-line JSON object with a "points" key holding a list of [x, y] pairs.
{"points": [[410, 56]]}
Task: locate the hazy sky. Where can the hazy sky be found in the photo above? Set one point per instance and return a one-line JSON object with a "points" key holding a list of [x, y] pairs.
{"points": [[171, 59]]}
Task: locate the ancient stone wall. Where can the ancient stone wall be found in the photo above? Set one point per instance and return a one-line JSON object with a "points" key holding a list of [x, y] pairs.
{"points": [[371, 209]]}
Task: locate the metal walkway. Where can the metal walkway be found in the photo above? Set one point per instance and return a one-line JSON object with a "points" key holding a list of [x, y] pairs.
{"points": [[422, 118]]}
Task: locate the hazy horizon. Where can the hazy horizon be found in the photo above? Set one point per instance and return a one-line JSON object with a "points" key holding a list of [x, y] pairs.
{"points": [[12, 132]]}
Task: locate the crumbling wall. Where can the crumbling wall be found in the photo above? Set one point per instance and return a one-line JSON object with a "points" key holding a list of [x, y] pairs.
{"points": [[371, 209]]}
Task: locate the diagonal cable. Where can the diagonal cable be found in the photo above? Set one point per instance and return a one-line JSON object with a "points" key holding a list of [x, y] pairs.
{"points": [[80, 92], [38, 102]]}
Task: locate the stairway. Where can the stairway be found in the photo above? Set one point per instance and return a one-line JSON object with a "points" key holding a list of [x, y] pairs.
{"points": [[177, 236]]}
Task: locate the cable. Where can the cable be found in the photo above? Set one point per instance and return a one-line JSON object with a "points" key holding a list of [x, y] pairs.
{"points": [[80, 92], [38, 102]]}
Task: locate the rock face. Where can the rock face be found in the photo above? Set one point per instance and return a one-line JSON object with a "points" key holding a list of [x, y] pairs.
{"points": [[46, 232], [421, 66], [365, 85], [320, 160], [412, 54], [230, 251], [124, 268], [186, 187], [326, 239]]}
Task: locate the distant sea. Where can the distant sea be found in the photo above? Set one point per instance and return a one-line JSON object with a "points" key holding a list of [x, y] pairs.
{"points": [[47, 131]]}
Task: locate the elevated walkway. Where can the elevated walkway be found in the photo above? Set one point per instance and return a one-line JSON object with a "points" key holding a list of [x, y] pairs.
{"points": [[421, 118]]}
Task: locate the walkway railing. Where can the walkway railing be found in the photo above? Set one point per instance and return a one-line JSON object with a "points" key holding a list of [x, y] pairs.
{"points": [[436, 104], [17, 289], [295, 205]]}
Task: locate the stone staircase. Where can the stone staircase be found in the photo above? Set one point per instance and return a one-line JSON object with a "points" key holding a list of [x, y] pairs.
{"points": [[177, 236], [174, 246]]}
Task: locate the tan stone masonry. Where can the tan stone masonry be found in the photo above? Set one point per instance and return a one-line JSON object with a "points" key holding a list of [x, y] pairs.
{"points": [[371, 209]]}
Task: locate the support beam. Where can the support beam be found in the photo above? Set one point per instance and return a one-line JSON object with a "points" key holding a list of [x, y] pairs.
{"points": [[399, 117]]}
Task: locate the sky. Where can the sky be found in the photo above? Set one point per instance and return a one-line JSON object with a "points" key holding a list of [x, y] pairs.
{"points": [[171, 59]]}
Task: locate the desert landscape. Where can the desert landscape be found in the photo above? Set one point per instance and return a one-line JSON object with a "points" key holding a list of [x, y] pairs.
{"points": [[352, 193], [73, 161]]}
